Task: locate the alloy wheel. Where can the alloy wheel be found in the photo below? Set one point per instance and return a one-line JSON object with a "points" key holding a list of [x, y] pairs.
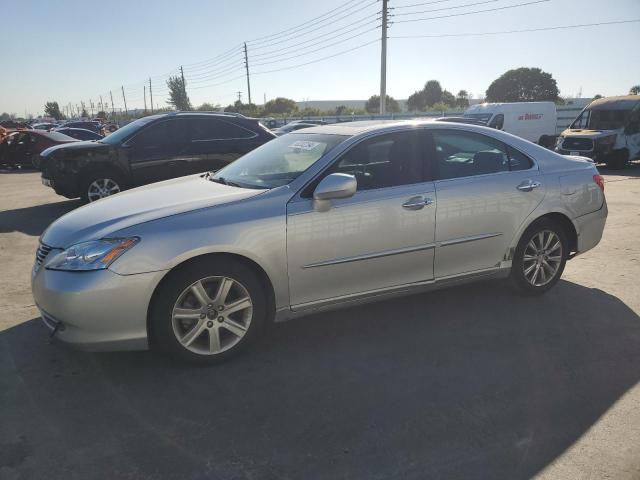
{"points": [[542, 258], [101, 188], [212, 315]]}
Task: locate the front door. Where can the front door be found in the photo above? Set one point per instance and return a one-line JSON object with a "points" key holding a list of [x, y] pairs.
{"points": [[381, 237], [485, 190], [159, 151]]}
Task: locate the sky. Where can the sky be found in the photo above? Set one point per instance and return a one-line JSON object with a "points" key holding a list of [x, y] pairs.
{"points": [[72, 50]]}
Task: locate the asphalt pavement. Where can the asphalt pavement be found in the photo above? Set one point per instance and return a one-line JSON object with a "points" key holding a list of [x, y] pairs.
{"points": [[473, 382]]}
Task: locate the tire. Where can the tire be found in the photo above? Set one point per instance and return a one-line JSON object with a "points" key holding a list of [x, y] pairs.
{"points": [[523, 269], [618, 159], [101, 184], [201, 332]]}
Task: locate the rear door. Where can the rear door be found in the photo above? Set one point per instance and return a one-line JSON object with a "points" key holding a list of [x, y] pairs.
{"points": [[485, 190], [158, 151]]}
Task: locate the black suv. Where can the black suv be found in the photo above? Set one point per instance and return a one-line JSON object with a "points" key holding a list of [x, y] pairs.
{"points": [[148, 150]]}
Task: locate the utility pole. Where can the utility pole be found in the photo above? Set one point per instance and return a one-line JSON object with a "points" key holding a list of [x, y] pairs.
{"points": [[265, 98], [151, 94], [240, 97], [144, 95], [125, 100], [113, 112], [383, 60], [101, 104], [184, 85], [246, 64]]}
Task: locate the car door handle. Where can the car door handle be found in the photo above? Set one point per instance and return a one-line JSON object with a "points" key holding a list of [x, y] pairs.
{"points": [[528, 185], [417, 203]]}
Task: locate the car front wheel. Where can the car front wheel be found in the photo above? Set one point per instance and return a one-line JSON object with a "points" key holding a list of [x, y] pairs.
{"points": [[101, 185], [540, 257], [207, 311]]}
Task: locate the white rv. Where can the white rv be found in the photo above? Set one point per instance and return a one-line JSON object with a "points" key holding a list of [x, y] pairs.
{"points": [[533, 121]]}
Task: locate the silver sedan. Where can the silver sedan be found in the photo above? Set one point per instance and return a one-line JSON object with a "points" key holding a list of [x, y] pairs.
{"points": [[323, 218]]}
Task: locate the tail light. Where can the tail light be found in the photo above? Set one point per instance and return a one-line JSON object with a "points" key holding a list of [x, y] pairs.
{"points": [[599, 180]]}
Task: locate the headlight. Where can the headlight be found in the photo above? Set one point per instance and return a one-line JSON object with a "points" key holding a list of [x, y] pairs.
{"points": [[93, 255]]}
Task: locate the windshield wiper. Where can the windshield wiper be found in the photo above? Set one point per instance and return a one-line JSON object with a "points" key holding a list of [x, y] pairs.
{"points": [[223, 181]]}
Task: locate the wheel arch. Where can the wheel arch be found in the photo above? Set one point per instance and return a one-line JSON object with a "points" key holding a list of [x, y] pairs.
{"points": [[264, 278], [561, 219]]}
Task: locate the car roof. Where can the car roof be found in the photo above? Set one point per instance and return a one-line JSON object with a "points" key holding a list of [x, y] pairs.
{"points": [[625, 102]]}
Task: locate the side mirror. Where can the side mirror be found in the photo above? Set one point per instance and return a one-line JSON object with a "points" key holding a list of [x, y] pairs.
{"points": [[336, 185]]}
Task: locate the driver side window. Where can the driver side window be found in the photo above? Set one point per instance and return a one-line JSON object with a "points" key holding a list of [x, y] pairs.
{"points": [[383, 161]]}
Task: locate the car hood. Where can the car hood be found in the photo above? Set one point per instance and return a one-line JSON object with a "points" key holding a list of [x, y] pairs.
{"points": [[586, 133], [104, 217], [76, 145]]}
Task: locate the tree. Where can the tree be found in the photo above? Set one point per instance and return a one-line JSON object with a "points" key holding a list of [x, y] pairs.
{"points": [[84, 113], [635, 90], [310, 112], [523, 85], [101, 114], [462, 99], [448, 99], [52, 109], [439, 107], [416, 102], [178, 94], [341, 110], [208, 107], [432, 93], [373, 104], [280, 106], [4, 116], [597, 96]]}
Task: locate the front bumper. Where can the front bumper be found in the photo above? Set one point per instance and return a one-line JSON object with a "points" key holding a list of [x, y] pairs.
{"points": [[590, 227], [97, 310]]}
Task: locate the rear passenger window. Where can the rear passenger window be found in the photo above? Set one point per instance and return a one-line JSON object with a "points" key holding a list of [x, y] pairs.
{"points": [[383, 161], [204, 129], [466, 154], [518, 160]]}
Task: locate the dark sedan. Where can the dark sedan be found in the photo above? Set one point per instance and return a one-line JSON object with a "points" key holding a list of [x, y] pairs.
{"points": [[23, 148], [79, 133]]}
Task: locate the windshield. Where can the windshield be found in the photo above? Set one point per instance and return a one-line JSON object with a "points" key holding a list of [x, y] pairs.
{"points": [[279, 161], [483, 117], [608, 119], [123, 133]]}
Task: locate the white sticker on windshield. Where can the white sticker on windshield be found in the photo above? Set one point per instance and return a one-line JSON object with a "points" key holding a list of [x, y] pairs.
{"points": [[304, 145]]}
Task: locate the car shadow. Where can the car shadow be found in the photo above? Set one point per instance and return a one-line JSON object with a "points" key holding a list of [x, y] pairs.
{"points": [[631, 170], [34, 220], [470, 382]]}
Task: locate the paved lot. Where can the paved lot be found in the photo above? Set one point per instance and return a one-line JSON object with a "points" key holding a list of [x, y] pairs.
{"points": [[471, 382]]}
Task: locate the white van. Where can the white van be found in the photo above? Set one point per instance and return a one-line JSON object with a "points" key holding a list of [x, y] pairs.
{"points": [[533, 121]]}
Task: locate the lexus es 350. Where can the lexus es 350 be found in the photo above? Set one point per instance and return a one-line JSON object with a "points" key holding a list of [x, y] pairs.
{"points": [[321, 218]]}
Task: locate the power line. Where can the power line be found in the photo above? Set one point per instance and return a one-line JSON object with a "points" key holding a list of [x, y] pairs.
{"points": [[227, 52], [541, 29], [315, 20], [472, 13], [287, 50], [419, 4], [363, 19], [319, 59], [316, 50], [445, 8]]}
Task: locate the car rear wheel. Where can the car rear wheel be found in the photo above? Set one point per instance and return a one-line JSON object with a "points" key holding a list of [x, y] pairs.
{"points": [[618, 159], [540, 257], [101, 185], [208, 311]]}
